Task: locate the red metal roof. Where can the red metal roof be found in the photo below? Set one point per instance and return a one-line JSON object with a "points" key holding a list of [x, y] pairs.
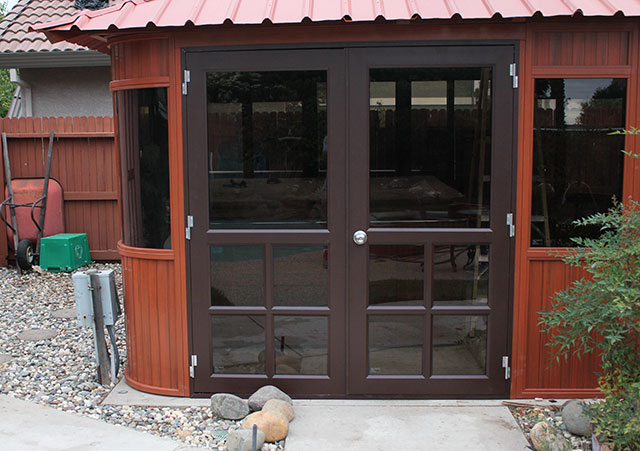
{"points": [[132, 14]]}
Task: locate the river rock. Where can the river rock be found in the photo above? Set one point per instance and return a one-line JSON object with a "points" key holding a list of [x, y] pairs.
{"points": [[242, 440], [37, 334], [229, 407], [274, 425], [575, 417], [65, 313], [280, 406], [545, 437], [264, 394]]}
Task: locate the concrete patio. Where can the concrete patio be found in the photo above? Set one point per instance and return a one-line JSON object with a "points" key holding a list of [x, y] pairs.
{"points": [[354, 425]]}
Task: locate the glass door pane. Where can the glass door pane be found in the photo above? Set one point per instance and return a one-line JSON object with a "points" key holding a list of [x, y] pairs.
{"points": [[430, 147], [267, 149]]}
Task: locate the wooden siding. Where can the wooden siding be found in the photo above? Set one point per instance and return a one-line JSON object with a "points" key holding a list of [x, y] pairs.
{"points": [[546, 278], [588, 48], [548, 52], [151, 68], [154, 336], [83, 161]]}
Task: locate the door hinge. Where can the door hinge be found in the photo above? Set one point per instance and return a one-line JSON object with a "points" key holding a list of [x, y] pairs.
{"points": [[511, 225], [186, 81], [187, 230], [514, 75], [507, 368], [192, 367]]}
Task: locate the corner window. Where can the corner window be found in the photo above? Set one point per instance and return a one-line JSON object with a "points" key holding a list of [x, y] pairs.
{"points": [[144, 163], [577, 164]]}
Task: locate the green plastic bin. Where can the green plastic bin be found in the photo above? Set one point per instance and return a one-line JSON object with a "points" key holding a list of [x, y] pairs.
{"points": [[64, 252]]}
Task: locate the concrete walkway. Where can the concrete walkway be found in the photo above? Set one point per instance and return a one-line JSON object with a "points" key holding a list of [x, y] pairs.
{"points": [[26, 426], [386, 425], [403, 426]]}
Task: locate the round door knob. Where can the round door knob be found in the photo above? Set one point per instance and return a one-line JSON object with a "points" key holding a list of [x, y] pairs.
{"points": [[360, 237]]}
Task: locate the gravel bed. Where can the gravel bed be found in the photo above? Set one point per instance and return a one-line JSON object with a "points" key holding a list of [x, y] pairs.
{"points": [[528, 417], [61, 372]]}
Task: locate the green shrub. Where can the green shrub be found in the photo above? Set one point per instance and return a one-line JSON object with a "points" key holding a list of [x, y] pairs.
{"points": [[601, 313]]}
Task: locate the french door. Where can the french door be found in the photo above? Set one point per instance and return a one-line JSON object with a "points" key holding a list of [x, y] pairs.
{"points": [[349, 219]]}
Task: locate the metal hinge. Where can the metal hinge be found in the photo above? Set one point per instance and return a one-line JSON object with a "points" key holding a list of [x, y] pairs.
{"points": [[185, 83], [187, 230], [514, 75], [507, 368], [192, 367], [511, 225]]}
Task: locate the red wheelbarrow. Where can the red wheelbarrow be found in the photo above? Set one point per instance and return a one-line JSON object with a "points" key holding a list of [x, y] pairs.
{"points": [[25, 198]]}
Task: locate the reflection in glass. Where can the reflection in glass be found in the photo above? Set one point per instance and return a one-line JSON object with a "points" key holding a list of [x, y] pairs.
{"points": [[577, 165], [430, 147], [267, 149], [301, 344], [459, 344], [143, 135], [238, 344], [460, 275], [237, 275], [300, 275], [396, 275], [395, 344]]}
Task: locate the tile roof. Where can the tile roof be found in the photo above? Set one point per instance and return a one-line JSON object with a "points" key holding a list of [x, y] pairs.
{"points": [[14, 28]]}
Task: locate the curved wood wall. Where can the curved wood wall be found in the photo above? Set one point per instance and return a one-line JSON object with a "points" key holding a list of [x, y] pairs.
{"points": [[154, 339], [155, 296]]}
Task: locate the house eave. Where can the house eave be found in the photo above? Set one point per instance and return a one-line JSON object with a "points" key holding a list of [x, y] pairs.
{"points": [[75, 58]]}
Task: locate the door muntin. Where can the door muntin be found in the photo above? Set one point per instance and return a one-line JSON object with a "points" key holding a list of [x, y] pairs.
{"points": [[429, 299], [268, 240]]}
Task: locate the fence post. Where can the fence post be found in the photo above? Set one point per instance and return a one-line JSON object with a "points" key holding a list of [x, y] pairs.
{"points": [[4, 248]]}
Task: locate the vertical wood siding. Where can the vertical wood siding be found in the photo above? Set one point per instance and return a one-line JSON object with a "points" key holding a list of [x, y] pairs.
{"points": [[589, 48], [150, 59], [155, 339], [568, 53], [84, 163]]}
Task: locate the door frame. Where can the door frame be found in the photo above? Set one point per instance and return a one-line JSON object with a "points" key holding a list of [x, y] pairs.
{"points": [[331, 60], [514, 45], [503, 106]]}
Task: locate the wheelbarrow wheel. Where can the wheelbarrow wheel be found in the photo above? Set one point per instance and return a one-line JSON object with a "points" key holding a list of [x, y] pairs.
{"points": [[25, 255]]}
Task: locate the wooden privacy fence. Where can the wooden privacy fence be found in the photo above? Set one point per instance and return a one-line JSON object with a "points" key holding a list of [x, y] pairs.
{"points": [[83, 161]]}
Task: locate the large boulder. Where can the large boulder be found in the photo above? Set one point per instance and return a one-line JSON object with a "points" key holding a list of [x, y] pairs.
{"points": [[545, 437], [575, 418], [280, 406], [274, 425], [242, 440], [229, 407], [264, 394]]}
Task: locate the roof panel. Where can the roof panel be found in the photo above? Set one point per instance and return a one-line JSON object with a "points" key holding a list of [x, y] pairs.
{"points": [[15, 34], [167, 13]]}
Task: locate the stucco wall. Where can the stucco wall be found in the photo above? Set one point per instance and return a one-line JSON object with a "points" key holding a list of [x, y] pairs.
{"points": [[81, 91]]}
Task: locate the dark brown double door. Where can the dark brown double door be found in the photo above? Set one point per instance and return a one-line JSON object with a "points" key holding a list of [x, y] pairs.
{"points": [[350, 220]]}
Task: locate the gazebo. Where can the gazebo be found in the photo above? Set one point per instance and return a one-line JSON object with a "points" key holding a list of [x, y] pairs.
{"points": [[358, 198]]}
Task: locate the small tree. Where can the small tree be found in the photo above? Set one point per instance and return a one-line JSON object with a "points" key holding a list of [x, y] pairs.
{"points": [[602, 313]]}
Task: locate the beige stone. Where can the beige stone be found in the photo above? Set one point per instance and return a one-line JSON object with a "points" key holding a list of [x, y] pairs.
{"points": [[283, 407], [545, 437], [274, 425]]}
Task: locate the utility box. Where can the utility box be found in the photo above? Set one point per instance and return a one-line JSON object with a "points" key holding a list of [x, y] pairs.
{"points": [[64, 252], [108, 295]]}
